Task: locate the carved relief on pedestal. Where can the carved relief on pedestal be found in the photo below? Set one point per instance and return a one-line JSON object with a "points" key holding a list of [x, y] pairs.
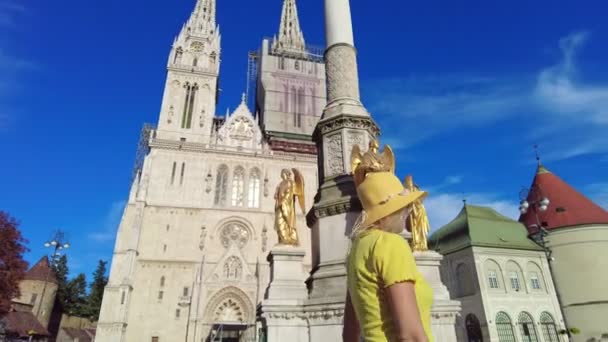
{"points": [[203, 237], [264, 238], [334, 160], [342, 79], [354, 138]]}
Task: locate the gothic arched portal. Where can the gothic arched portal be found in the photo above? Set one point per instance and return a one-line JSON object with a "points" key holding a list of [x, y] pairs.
{"points": [[230, 305]]}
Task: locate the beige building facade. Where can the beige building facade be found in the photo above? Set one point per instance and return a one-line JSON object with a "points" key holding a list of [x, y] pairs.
{"points": [[189, 262]]}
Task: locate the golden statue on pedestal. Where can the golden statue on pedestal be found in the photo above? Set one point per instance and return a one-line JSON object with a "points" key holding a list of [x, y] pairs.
{"points": [[285, 206], [418, 221]]}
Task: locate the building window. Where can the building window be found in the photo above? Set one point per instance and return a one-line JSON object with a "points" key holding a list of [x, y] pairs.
{"points": [[178, 56], [164, 248], [547, 325], [514, 278], [33, 299], [473, 329], [282, 63], [173, 173], [504, 328], [181, 175], [162, 281], [254, 189], [122, 297], [186, 291], [195, 62], [160, 295], [301, 105], [221, 185], [177, 313], [493, 280], [233, 268], [155, 339], [534, 281], [297, 65], [191, 90], [238, 187], [526, 328]]}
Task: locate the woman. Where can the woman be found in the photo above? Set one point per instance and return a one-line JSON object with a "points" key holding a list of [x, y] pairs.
{"points": [[388, 300]]}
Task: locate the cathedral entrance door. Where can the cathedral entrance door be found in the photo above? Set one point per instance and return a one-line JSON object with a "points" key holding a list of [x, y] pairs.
{"points": [[229, 333]]}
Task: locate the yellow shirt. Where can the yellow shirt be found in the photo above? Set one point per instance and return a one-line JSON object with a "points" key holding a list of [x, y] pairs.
{"points": [[377, 260]]}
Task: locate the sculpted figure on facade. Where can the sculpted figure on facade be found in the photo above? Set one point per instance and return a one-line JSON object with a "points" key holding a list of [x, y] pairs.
{"points": [[418, 221], [290, 188]]}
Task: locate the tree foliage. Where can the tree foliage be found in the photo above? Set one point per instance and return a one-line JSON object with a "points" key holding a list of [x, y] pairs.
{"points": [[75, 303], [12, 265], [97, 287], [60, 267]]}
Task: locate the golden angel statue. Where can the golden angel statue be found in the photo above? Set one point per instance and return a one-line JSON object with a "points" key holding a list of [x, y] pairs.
{"points": [[418, 221], [371, 161], [285, 206]]}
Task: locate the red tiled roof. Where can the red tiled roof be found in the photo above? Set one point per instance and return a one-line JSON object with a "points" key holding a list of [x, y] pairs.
{"points": [[567, 207], [22, 323], [41, 271]]}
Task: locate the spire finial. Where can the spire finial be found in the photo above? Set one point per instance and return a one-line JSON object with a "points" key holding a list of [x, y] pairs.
{"points": [[537, 154], [291, 38], [243, 98]]}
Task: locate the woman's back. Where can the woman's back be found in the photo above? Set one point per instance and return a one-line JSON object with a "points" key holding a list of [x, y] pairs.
{"points": [[377, 260]]}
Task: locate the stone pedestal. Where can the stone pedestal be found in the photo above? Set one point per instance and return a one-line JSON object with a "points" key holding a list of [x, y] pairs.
{"points": [[444, 310], [282, 308]]}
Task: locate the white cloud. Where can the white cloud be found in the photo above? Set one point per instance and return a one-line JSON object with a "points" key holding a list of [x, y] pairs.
{"points": [[447, 182], [559, 108], [443, 208], [109, 224]]}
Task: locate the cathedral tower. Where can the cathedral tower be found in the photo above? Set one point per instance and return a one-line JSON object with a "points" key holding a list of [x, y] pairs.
{"points": [[189, 99], [291, 86]]}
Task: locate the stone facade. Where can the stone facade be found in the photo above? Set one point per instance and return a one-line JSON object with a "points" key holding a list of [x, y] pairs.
{"points": [[190, 256], [483, 280]]}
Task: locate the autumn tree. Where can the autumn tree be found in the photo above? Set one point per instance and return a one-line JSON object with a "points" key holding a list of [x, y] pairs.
{"points": [[97, 287], [12, 265]]}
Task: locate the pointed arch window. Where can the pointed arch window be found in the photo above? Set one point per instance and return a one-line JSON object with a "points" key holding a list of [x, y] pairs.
{"points": [[173, 172], [301, 103], [473, 329], [191, 90], [178, 56], [504, 328], [238, 187], [162, 281], [195, 62], [221, 185], [253, 192]]}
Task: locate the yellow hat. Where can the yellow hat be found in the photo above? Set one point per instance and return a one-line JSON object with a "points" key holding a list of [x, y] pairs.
{"points": [[382, 194]]}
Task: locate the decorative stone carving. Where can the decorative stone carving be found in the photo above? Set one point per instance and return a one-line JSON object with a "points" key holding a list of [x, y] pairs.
{"points": [[234, 233], [341, 68], [266, 191], [208, 181], [233, 268], [241, 129], [264, 238], [353, 122], [201, 244], [334, 161], [229, 298]]}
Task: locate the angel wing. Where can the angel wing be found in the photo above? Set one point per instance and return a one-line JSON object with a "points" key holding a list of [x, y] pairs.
{"points": [[387, 158], [356, 158], [299, 189]]}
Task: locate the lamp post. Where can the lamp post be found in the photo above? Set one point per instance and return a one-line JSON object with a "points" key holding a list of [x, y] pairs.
{"points": [[57, 243], [533, 199]]}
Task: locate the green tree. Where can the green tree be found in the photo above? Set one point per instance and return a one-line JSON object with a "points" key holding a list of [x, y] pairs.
{"points": [[60, 267], [97, 286], [12, 265], [76, 296]]}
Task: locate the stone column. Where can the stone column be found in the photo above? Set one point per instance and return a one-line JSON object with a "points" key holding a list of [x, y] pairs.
{"points": [[444, 310], [344, 123], [281, 310]]}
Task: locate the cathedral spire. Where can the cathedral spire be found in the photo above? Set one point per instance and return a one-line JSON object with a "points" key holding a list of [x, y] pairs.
{"points": [[291, 38]]}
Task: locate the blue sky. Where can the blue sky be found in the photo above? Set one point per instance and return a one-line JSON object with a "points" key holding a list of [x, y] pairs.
{"points": [[462, 90]]}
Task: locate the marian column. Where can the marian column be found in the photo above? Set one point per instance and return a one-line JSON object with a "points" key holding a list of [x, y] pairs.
{"points": [[345, 122]]}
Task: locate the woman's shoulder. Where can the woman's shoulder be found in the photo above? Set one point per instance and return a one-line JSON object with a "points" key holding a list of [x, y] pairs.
{"points": [[382, 239]]}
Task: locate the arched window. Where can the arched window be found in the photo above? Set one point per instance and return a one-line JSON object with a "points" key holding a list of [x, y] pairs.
{"points": [[535, 277], [473, 329], [526, 328], [195, 62], [221, 185], [191, 90], [465, 281], [238, 187], [493, 274], [301, 103], [515, 276], [547, 326], [233, 268], [178, 56], [253, 192], [504, 328], [162, 281], [173, 172], [212, 58]]}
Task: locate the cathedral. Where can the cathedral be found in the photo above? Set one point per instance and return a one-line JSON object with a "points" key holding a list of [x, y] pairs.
{"points": [[189, 261]]}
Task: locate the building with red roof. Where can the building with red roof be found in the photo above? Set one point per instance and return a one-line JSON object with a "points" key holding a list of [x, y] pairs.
{"points": [[575, 233]]}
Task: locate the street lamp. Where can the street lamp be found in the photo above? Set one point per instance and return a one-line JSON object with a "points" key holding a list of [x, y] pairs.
{"points": [[533, 199], [57, 243]]}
